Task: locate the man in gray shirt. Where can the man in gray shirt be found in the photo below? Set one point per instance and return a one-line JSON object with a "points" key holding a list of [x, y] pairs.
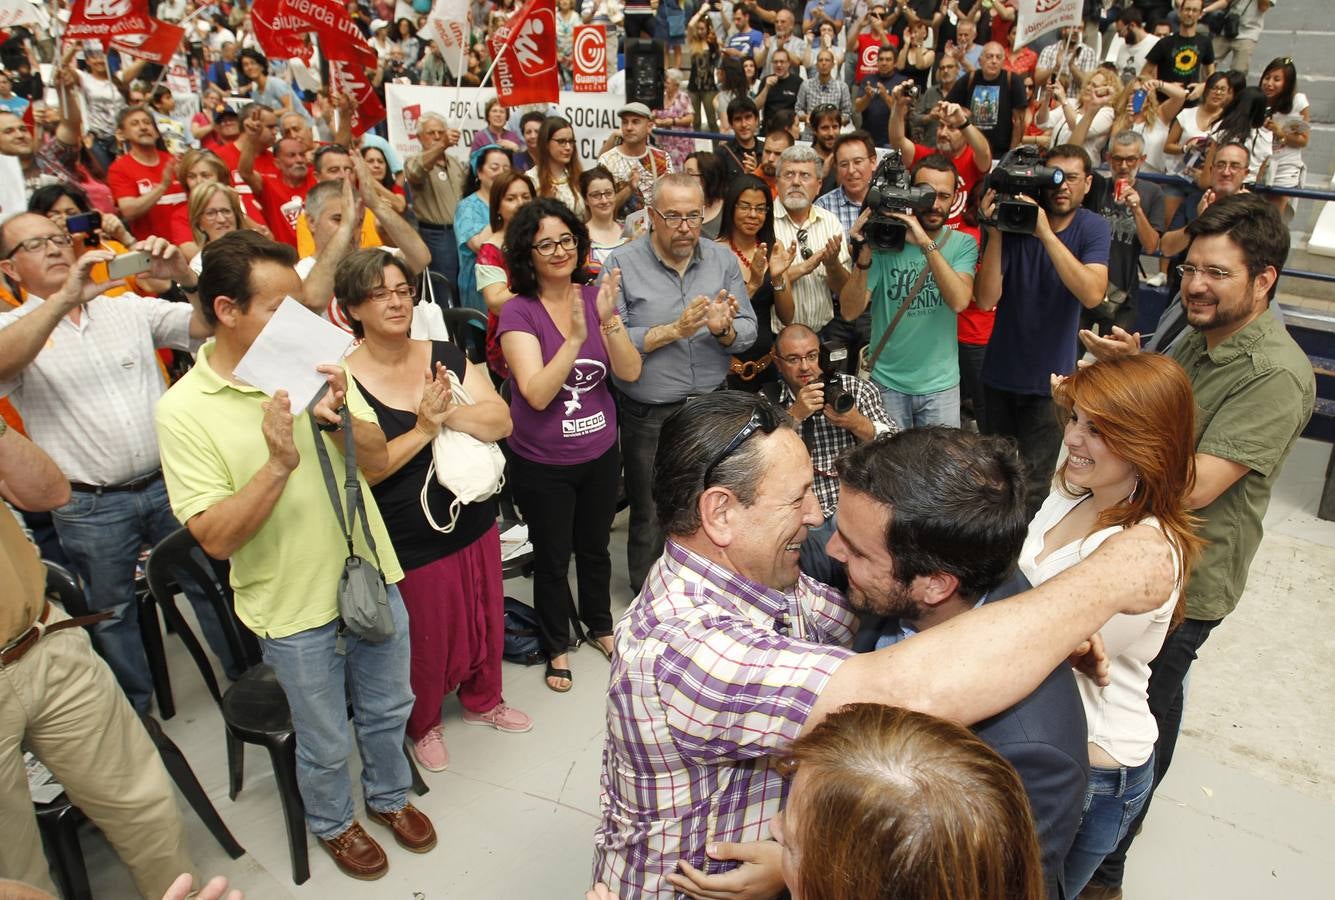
{"points": [[687, 311]]}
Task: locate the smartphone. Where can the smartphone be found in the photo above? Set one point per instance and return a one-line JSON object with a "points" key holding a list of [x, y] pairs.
{"points": [[85, 223], [128, 264], [1138, 100]]}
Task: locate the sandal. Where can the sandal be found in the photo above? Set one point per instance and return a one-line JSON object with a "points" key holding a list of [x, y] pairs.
{"points": [[558, 673], [596, 642]]}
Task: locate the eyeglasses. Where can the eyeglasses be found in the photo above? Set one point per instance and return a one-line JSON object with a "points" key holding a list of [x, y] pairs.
{"points": [[221, 213], [802, 243], [1225, 166], [34, 244], [564, 142], [566, 242], [600, 195], [1211, 273], [810, 358], [757, 208], [674, 220], [846, 164], [762, 419], [1124, 160], [403, 292]]}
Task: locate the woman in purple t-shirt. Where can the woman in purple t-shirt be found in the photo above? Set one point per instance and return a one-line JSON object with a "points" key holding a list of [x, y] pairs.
{"points": [[561, 338]]}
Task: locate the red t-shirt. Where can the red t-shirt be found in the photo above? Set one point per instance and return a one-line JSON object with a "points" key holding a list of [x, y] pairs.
{"points": [[127, 177], [265, 166], [283, 204], [968, 175], [973, 325]]}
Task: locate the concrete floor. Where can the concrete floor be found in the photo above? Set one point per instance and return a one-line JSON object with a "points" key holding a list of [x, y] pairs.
{"points": [[1246, 812]]}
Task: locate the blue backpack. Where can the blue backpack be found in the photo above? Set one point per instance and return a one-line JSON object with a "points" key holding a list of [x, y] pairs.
{"points": [[521, 634]]}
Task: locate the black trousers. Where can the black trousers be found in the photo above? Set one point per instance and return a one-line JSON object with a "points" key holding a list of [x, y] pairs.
{"points": [[569, 511], [1031, 420]]}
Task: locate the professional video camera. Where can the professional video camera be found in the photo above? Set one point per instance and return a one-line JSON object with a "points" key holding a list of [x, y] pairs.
{"points": [[833, 363], [890, 192], [1020, 171]]}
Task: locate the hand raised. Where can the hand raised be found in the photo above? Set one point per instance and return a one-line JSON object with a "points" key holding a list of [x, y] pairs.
{"points": [[579, 325], [277, 429], [608, 290]]}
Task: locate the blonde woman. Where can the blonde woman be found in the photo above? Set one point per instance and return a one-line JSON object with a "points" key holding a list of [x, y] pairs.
{"points": [[1087, 120]]}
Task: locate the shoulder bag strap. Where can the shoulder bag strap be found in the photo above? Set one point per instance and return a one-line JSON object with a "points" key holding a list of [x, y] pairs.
{"points": [[355, 501], [905, 304]]}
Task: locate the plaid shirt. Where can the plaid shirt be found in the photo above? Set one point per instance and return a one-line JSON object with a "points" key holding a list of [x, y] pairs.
{"points": [[1085, 57], [842, 206], [712, 675], [826, 440]]}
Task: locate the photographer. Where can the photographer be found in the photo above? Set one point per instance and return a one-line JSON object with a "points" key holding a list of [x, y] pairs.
{"points": [[915, 292], [1038, 284], [957, 139], [834, 411]]}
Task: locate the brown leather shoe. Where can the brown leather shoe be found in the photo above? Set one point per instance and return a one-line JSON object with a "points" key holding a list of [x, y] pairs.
{"points": [[412, 829], [357, 853]]}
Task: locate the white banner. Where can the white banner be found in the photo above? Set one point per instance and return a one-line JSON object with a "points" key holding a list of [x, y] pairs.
{"points": [[20, 12], [1035, 18], [594, 116], [448, 26]]}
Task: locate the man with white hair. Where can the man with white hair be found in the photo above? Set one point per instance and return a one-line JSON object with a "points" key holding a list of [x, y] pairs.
{"points": [[437, 182], [812, 239]]}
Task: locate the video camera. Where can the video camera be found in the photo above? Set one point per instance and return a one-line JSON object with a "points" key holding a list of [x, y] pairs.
{"points": [[1021, 171], [890, 192], [833, 363]]}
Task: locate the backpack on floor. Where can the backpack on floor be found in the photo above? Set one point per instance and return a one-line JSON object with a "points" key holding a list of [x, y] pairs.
{"points": [[521, 634]]}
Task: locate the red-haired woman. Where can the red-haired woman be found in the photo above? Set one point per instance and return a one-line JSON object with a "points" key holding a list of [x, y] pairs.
{"points": [[1130, 442]]}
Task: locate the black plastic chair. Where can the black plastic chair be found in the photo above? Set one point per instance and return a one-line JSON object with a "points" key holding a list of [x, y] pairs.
{"points": [[59, 820], [254, 709], [446, 292], [468, 331]]}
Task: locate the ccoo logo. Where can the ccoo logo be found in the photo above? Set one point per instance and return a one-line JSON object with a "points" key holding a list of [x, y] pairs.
{"points": [[590, 51], [870, 53], [539, 29]]}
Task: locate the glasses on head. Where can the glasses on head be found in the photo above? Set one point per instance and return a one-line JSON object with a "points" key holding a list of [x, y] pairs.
{"points": [[762, 419], [674, 220], [403, 292], [548, 247], [802, 245], [34, 244], [600, 195], [564, 142], [810, 358], [1210, 273]]}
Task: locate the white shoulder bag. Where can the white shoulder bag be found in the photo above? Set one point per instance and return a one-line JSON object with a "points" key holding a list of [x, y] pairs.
{"points": [[470, 469], [428, 321]]}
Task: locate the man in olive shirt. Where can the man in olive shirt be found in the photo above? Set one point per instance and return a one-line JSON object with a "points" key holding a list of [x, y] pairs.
{"points": [[437, 182], [1254, 390], [60, 700]]}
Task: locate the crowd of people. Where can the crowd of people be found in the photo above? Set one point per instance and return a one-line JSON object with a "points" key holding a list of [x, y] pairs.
{"points": [[884, 425]]}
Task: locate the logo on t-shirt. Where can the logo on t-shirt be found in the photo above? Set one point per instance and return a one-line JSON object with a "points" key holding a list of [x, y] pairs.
{"points": [[144, 186], [586, 374], [1185, 60]]}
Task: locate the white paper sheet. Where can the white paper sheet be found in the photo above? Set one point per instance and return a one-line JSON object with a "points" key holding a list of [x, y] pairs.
{"points": [[288, 349]]}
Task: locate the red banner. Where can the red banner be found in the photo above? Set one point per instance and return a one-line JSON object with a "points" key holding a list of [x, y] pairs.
{"points": [[339, 37], [159, 46], [590, 62], [102, 20], [349, 79], [525, 52], [276, 42]]}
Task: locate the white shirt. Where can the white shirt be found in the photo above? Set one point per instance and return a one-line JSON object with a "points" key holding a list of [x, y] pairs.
{"points": [[1118, 715], [1133, 55], [812, 304], [88, 397]]}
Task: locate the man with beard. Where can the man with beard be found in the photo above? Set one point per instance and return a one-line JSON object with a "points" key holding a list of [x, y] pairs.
{"points": [[873, 102], [729, 654], [915, 293], [924, 123], [957, 139], [143, 180], [741, 154], [1255, 389], [826, 125], [777, 139], [1038, 284], [995, 99], [814, 240]]}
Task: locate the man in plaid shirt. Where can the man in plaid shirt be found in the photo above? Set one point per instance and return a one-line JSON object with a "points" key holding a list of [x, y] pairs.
{"points": [[729, 654]]}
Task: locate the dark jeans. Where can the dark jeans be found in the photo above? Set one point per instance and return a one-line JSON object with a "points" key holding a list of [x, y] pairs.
{"points": [[1030, 419], [640, 424], [569, 509], [439, 239], [1166, 695], [971, 378]]}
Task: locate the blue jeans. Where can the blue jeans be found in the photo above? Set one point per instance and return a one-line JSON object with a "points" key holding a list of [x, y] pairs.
{"points": [[444, 253], [1112, 801], [318, 681], [918, 410], [814, 561], [102, 534]]}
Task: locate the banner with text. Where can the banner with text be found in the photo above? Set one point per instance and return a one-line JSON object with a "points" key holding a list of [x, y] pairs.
{"points": [[102, 20], [590, 63], [1035, 18], [594, 116], [448, 26], [19, 12], [524, 54]]}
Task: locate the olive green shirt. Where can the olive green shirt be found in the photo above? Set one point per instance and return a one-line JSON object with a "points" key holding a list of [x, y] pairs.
{"points": [[435, 192], [1254, 394]]}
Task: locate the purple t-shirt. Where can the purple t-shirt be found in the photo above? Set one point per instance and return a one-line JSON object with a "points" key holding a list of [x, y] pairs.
{"points": [[580, 423]]}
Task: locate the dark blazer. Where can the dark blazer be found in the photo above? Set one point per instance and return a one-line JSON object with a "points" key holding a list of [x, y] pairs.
{"points": [[1045, 738]]}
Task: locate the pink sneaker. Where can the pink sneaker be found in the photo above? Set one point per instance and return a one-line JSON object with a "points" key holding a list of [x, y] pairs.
{"points": [[431, 752], [502, 718]]}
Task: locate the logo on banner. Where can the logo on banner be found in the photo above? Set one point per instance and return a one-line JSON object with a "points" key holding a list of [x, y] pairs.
{"points": [[412, 114], [527, 46], [590, 67], [1043, 6], [525, 53], [106, 9]]}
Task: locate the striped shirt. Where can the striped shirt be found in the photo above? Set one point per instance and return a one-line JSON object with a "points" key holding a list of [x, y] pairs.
{"points": [[712, 674], [813, 304]]}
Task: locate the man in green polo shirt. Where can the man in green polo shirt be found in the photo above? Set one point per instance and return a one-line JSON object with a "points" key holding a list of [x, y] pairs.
{"points": [[1254, 391], [242, 474]]}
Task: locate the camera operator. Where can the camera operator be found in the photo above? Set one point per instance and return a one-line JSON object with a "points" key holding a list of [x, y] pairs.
{"points": [[915, 292], [957, 139], [1038, 284], [834, 411]]}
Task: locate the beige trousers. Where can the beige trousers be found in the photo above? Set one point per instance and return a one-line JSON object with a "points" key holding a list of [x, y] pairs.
{"points": [[62, 703]]}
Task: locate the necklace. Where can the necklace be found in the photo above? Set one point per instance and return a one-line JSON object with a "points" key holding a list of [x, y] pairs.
{"points": [[746, 260]]}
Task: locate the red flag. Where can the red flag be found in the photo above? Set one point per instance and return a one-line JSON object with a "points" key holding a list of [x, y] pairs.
{"points": [[351, 80], [338, 35], [590, 63], [281, 43], [102, 20], [525, 52], [159, 46]]}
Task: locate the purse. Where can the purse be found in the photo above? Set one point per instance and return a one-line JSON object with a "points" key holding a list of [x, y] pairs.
{"points": [[470, 469], [363, 597], [428, 321]]}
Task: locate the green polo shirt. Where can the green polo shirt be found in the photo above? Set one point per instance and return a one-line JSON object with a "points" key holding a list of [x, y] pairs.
{"points": [[286, 576], [1254, 394]]}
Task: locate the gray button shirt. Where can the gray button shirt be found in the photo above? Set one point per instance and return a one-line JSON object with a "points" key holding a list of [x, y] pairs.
{"points": [[653, 293]]}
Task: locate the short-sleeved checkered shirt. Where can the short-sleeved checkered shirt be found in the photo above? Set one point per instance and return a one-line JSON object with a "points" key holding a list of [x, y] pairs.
{"points": [[713, 673]]}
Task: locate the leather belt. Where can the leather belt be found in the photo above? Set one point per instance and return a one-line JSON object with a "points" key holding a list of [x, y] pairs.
{"points": [[748, 370], [17, 648], [432, 226], [137, 485]]}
